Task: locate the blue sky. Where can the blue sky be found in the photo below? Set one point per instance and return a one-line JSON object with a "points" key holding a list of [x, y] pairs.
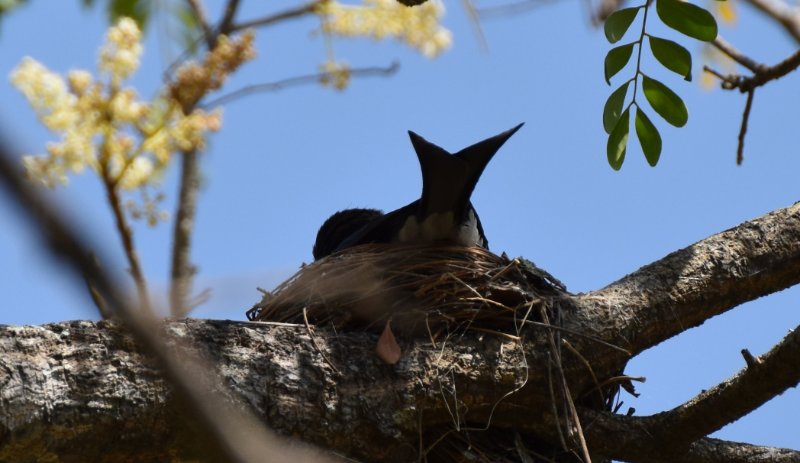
{"points": [[286, 160]]}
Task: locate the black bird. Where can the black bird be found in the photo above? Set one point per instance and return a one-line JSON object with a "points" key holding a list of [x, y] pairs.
{"points": [[339, 227], [444, 212]]}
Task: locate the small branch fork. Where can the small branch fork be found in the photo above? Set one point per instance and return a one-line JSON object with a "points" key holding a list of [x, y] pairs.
{"points": [[761, 74], [673, 432]]}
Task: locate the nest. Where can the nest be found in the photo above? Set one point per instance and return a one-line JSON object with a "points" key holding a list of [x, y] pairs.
{"points": [[426, 290]]}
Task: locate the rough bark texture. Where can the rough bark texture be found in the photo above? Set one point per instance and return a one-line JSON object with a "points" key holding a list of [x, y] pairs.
{"points": [[82, 391]]}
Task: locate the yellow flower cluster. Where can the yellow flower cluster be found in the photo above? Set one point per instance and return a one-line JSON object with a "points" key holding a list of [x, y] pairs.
{"points": [[417, 26], [195, 80], [119, 56], [105, 127]]}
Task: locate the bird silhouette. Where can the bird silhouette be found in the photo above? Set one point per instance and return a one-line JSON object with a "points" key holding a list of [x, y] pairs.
{"points": [[444, 212]]}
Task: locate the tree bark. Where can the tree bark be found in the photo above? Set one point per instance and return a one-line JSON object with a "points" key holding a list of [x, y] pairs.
{"points": [[84, 391]]}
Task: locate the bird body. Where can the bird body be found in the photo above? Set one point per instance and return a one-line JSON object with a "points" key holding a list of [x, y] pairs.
{"points": [[444, 212]]}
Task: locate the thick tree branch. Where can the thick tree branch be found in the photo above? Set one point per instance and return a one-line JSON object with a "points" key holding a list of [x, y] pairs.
{"points": [[626, 438], [691, 285], [92, 379], [775, 372], [675, 433]]}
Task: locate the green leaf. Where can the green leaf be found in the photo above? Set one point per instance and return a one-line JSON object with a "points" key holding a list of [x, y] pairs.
{"points": [[613, 107], [138, 10], [8, 5], [649, 137], [687, 19], [618, 142], [616, 59], [673, 56], [618, 23], [666, 103]]}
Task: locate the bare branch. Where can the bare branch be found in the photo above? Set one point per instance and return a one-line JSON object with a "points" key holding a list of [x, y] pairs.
{"points": [[511, 8], [199, 12], [788, 16], [720, 451], [627, 438], [299, 80], [183, 270], [743, 129], [689, 286], [761, 75], [731, 51], [769, 73], [227, 20], [278, 17], [126, 235], [733, 398]]}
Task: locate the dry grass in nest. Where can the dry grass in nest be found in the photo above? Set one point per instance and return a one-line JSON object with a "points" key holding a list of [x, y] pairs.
{"points": [[427, 290]]}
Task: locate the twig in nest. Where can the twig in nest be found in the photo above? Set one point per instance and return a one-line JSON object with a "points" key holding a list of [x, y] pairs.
{"points": [[573, 412], [588, 366], [313, 337]]}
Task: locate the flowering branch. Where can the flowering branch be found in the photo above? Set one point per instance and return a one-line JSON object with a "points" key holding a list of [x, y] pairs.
{"points": [[104, 127], [192, 83], [323, 77]]}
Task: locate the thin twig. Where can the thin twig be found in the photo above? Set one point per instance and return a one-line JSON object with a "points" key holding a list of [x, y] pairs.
{"points": [[743, 129], [770, 73], [511, 8], [200, 15], [588, 366], [731, 51], [225, 24], [762, 73], [475, 22], [573, 412], [313, 337], [126, 235], [277, 17], [299, 80]]}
